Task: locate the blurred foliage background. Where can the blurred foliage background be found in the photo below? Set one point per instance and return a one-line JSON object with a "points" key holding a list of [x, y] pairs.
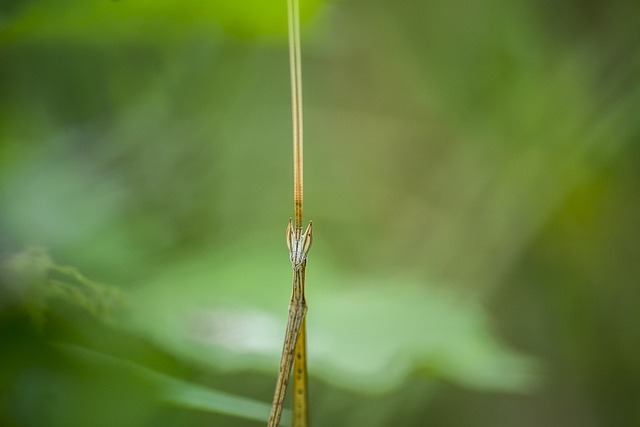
{"points": [[472, 170]]}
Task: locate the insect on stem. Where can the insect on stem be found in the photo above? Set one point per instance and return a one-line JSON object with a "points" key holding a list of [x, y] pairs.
{"points": [[294, 353]]}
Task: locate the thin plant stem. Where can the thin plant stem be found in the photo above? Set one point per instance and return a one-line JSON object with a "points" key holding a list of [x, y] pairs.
{"points": [[296, 107]]}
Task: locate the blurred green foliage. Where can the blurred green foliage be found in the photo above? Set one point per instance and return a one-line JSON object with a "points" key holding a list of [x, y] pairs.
{"points": [[471, 170]]}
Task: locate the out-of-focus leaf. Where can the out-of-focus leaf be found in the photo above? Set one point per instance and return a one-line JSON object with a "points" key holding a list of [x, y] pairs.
{"points": [[33, 280], [149, 20], [177, 391], [364, 334]]}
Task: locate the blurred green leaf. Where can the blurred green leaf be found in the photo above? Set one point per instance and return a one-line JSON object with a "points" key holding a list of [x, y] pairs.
{"points": [[153, 21], [35, 281], [366, 335], [177, 391]]}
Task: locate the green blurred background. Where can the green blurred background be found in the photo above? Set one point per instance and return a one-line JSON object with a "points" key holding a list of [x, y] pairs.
{"points": [[472, 171]]}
